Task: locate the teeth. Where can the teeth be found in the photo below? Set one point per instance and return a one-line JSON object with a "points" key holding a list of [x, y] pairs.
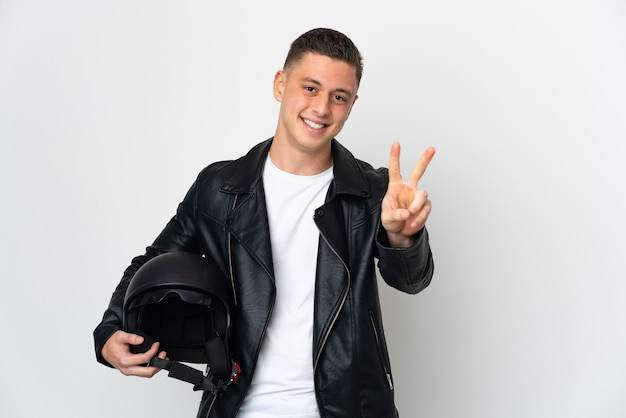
{"points": [[313, 124]]}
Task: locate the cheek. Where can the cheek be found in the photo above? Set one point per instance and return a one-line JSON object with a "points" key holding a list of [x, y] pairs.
{"points": [[341, 114], [300, 100], [292, 101]]}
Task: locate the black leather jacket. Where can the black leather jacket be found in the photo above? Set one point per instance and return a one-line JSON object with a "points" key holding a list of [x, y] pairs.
{"points": [[223, 216]]}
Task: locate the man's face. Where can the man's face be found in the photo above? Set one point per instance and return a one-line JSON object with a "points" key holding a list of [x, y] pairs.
{"points": [[316, 95]]}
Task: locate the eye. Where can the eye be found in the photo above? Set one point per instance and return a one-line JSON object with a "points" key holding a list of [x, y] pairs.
{"points": [[339, 98], [309, 89]]}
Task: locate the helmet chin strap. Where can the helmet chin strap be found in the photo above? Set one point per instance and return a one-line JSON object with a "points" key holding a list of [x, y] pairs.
{"points": [[194, 376], [225, 372]]}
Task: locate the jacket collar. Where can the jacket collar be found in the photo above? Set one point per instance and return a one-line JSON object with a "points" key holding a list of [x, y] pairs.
{"points": [[347, 173]]}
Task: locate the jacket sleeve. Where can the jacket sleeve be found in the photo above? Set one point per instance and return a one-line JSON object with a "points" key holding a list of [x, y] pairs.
{"points": [[409, 270], [178, 235]]}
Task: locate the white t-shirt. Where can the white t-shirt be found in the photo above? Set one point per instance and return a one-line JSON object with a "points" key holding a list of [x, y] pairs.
{"points": [[282, 385]]}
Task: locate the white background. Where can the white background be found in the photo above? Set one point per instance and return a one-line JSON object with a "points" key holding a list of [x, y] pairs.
{"points": [[108, 109]]}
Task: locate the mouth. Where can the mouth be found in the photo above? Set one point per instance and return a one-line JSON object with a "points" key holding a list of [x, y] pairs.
{"points": [[314, 125]]}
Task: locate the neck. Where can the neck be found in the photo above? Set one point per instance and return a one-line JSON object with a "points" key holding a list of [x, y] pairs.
{"points": [[300, 162]]}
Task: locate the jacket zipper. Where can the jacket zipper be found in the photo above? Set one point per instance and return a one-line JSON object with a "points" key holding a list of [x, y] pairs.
{"points": [[379, 349], [338, 311], [232, 283], [230, 259], [211, 405]]}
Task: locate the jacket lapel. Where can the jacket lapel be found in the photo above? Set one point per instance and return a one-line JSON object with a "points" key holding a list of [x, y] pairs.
{"points": [[248, 224], [247, 219], [332, 282]]}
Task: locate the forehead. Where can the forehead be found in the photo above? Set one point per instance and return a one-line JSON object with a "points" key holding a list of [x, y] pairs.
{"points": [[329, 72]]}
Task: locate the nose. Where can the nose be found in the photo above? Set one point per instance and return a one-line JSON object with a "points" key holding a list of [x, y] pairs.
{"points": [[321, 105]]}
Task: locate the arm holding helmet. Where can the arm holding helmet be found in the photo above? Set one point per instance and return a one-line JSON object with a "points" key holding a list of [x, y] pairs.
{"points": [[112, 343]]}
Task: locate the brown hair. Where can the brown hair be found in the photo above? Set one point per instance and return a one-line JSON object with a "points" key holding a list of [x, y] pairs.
{"points": [[328, 42]]}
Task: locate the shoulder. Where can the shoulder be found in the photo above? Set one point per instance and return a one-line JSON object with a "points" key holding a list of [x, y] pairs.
{"points": [[240, 174], [356, 176]]}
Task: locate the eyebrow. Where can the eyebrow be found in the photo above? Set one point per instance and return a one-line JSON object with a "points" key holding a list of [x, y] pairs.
{"points": [[317, 83]]}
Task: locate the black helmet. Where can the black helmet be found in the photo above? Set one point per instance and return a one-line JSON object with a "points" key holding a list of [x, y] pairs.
{"points": [[184, 302]]}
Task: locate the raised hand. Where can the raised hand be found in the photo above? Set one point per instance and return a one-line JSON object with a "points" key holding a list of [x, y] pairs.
{"points": [[405, 208]]}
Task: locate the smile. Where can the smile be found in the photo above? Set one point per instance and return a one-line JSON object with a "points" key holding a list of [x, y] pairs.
{"points": [[313, 124]]}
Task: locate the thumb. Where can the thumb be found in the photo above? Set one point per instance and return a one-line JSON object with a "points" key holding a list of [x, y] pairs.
{"points": [[128, 338], [142, 343], [135, 339]]}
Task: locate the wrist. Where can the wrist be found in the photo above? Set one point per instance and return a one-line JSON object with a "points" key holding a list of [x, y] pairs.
{"points": [[398, 240]]}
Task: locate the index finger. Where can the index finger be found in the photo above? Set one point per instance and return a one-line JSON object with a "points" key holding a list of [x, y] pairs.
{"points": [[422, 164], [394, 163]]}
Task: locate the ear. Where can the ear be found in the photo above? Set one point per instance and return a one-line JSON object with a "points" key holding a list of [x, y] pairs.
{"points": [[279, 85]]}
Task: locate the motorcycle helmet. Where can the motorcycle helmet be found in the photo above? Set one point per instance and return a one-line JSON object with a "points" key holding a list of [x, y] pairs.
{"points": [[182, 300]]}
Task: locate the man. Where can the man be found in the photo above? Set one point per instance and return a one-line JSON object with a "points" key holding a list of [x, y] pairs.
{"points": [[297, 224]]}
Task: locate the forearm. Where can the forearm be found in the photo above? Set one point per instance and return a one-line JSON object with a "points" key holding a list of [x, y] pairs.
{"points": [[409, 269]]}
